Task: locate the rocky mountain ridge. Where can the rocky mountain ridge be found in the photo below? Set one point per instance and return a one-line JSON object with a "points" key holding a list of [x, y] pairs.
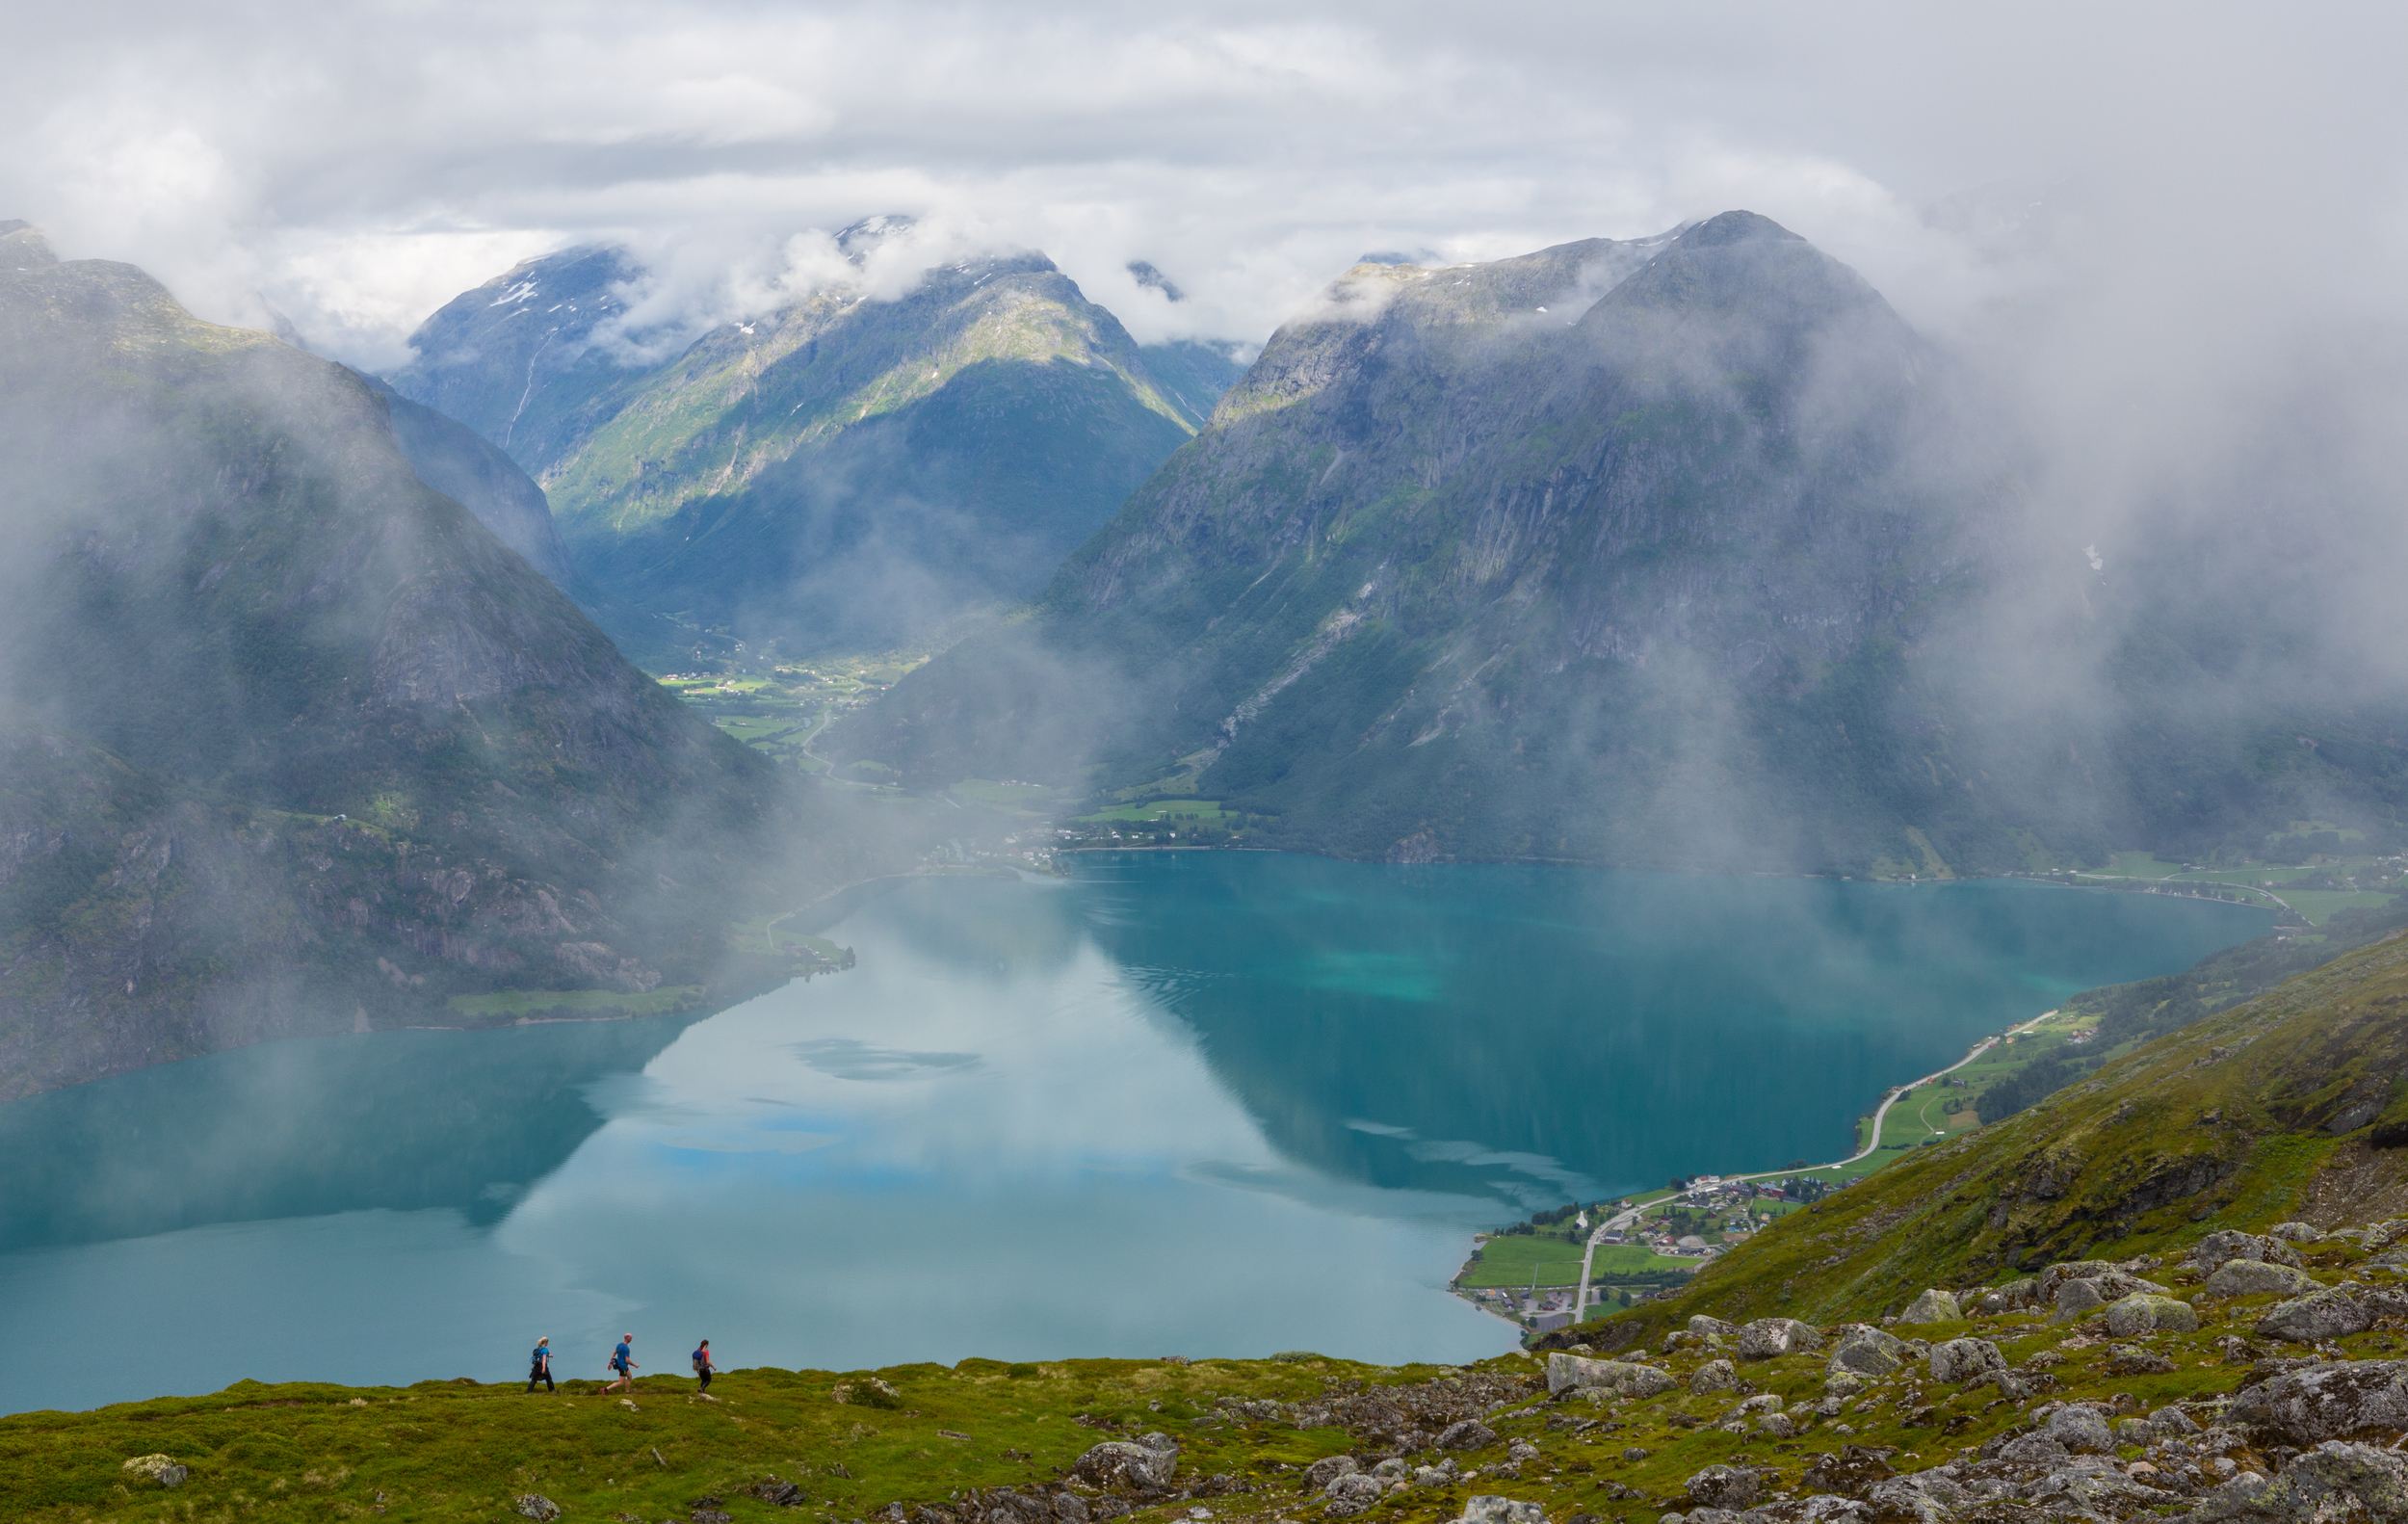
{"points": [[848, 467], [1683, 552]]}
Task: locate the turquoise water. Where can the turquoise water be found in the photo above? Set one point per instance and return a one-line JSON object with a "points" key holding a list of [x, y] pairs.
{"points": [[1182, 1103]]}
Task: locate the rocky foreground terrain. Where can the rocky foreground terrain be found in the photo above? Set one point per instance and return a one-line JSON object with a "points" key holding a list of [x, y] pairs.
{"points": [[2248, 1380]]}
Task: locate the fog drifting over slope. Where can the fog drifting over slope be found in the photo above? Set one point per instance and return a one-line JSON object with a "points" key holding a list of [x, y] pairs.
{"points": [[2161, 237]]}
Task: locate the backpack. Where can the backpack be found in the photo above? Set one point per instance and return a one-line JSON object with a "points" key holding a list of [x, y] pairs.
{"points": [[701, 1361]]}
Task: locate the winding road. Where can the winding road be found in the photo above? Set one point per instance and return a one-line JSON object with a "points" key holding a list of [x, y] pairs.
{"points": [[1623, 1219]]}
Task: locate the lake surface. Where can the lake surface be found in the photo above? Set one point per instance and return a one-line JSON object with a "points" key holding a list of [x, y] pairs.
{"points": [[1182, 1103]]}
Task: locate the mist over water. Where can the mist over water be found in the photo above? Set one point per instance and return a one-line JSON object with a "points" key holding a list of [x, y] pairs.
{"points": [[1210, 1103]]}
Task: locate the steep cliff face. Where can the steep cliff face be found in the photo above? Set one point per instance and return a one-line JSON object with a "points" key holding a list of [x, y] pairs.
{"points": [[293, 742], [850, 469], [464, 466], [1580, 554]]}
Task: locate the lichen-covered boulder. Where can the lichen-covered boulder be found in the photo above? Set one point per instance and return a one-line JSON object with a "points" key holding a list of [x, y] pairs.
{"points": [[2081, 1430], [1769, 1338], [1933, 1307], [165, 1470], [1327, 1469], [2034, 1449], [1714, 1375], [1141, 1465], [1622, 1377], [1488, 1509], [536, 1506], [2324, 1402], [2171, 1423], [1467, 1433], [2312, 1318], [1724, 1488], [1353, 1492], [1958, 1361], [2077, 1298], [1777, 1426], [1839, 1385], [2332, 1482], [2145, 1312], [2254, 1277], [2222, 1247], [1706, 1327], [1851, 1470], [2294, 1233], [1866, 1351]]}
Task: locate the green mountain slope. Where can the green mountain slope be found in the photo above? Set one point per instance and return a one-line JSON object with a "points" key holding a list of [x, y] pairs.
{"points": [[2265, 1112], [1682, 552], [294, 743], [1588, 553], [848, 470]]}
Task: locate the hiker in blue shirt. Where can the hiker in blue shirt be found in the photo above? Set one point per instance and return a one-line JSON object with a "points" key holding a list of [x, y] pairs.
{"points": [[702, 1365], [539, 1366], [623, 1361]]}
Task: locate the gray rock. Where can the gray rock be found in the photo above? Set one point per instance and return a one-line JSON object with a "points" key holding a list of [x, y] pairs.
{"points": [[1901, 1500], [1355, 1486], [1329, 1468], [2171, 1423], [1714, 1375], [1961, 1360], [2134, 1431], [2146, 1312], [1933, 1307], [1843, 1384], [1779, 1426], [1070, 1507], [1866, 1351], [2383, 1235], [1143, 1465], [1469, 1434], [2034, 1450], [2312, 1318], [1723, 1487], [2253, 1278], [2324, 1402], [1431, 1477], [1761, 1403], [2332, 1482], [1622, 1377], [2095, 1487], [1520, 1449], [1706, 1327], [2294, 1233], [2221, 1248], [536, 1506], [2081, 1430], [1488, 1509], [1711, 1516], [1393, 1468], [2076, 1299], [1769, 1338]]}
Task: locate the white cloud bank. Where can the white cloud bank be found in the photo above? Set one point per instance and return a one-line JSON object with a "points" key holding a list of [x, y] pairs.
{"points": [[356, 164]]}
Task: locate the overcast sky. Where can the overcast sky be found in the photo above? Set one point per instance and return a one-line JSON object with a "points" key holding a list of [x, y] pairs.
{"points": [[357, 165]]}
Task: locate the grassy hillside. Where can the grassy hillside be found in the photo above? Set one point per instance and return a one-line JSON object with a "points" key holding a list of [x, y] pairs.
{"points": [[2254, 1116]]}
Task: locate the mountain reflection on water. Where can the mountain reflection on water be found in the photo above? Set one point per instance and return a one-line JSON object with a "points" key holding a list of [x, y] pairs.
{"points": [[1182, 1103]]}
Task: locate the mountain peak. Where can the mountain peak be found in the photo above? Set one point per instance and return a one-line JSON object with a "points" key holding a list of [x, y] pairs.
{"points": [[856, 242], [22, 246], [1736, 227]]}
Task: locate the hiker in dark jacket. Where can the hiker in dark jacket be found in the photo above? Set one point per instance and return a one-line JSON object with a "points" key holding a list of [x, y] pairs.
{"points": [[702, 1365], [539, 1366]]}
